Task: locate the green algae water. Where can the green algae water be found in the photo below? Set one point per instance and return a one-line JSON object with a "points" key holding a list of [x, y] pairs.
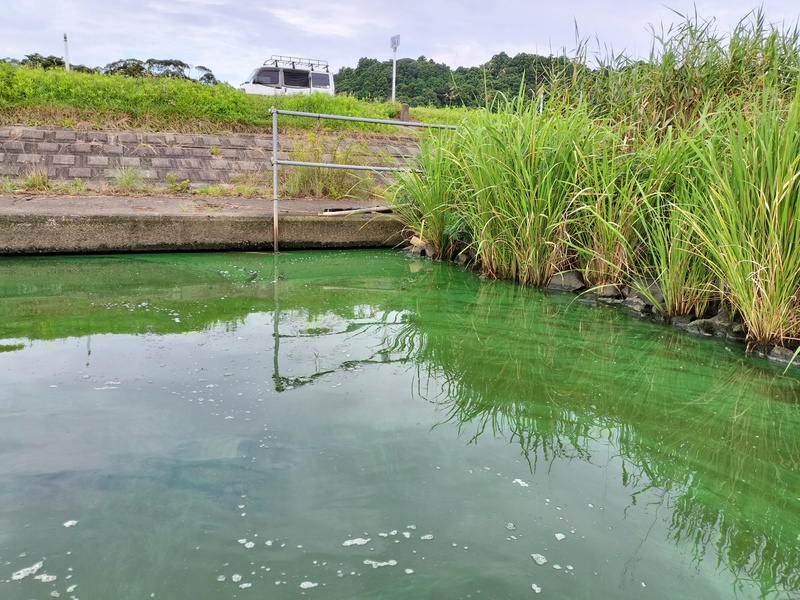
{"points": [[362, 424]]}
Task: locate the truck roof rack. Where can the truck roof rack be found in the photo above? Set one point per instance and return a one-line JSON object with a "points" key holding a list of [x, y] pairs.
{"points": [[276, 60]]}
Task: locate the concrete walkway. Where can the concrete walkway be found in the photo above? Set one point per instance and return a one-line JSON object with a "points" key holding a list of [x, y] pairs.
{"points": [[42, 224]]}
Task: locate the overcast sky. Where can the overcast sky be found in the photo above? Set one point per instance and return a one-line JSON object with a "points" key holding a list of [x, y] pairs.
{"points": [[233, 37]]}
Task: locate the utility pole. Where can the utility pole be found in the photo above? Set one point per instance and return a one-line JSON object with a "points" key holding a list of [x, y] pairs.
{"points": [[66, 53], [395, 43]]}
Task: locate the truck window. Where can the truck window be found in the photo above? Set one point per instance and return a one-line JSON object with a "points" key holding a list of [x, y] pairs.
{"points": [[267, 77], [320, 80], [295, 78]]}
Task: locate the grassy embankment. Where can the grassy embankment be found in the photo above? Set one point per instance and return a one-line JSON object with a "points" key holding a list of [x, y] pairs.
{"points": [[73, 100], [683, 171]]}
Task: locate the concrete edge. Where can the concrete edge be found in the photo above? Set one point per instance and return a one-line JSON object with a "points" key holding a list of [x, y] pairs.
{"points": [[41, 234]]}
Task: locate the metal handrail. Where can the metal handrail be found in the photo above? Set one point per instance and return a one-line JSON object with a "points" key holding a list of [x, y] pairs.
{"points": [[294, 163]]}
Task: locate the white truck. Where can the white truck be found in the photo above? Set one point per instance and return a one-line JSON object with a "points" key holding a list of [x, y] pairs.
{"points": [[286, 75]]}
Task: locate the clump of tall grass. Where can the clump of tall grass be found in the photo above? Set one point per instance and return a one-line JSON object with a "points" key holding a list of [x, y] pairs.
{"points": [[36, 180], [520, 174], [319, 182], [748, 214], [630, 221], [426, 197], [130, 180], [501, 184], [692, 66]]}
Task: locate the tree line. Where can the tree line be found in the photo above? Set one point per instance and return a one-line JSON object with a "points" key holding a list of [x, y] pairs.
{"points": [[129, 67], [423, 82]]}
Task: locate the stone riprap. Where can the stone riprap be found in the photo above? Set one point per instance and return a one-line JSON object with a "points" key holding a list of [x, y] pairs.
{"points": [[66, 154]]}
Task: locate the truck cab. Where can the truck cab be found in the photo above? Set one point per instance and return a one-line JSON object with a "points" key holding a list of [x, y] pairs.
{"points": [[287, 75]]}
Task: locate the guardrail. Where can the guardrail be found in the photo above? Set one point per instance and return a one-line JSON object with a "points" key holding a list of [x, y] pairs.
{"points": [[276, 162]]}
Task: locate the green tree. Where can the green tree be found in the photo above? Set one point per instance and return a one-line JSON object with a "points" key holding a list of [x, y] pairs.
{"points": [[128, 67]]}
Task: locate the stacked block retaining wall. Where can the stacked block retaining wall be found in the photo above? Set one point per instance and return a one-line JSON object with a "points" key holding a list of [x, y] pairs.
{"points": [[66, 154]]}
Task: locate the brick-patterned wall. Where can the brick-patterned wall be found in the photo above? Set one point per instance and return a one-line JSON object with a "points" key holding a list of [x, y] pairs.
{"points": [[66, 154]]}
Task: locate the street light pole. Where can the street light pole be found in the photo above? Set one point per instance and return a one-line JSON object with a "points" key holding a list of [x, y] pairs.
{"points": [[395, 41], [66, 53]]}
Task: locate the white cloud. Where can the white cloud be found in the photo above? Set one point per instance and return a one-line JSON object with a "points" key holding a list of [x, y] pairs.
{"points": [[328, 21]]}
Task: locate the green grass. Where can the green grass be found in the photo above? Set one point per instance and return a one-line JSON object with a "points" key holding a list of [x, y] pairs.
{"points": [[72, 99], [36, 180], [130, 180]]}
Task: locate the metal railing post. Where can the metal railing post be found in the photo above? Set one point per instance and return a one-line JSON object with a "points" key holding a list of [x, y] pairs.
{"points": [[274, 112]]}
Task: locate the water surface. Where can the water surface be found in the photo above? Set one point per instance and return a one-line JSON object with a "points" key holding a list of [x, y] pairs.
{"points": [[361, 424]]}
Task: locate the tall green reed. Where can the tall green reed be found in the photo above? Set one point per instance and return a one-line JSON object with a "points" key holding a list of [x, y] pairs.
{"points": [[427, 197], [520, 168], [747, 217]]}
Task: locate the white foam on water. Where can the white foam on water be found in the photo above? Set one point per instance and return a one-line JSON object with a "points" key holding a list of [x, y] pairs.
{"points": [[375, 564], [45, 578], [393, 532], [536, 588], [558, 567], [242, 541], [409, 571], [560, 536], [510, 526], [244, 586], [70, 523], [71, 589], [357, 542], [411, 526], [521, 483], [221, 578], [406, 534], [383, 534], [236, 578], [308, 585], [427, 537], [55, 594], [249, 545], [23, 573], [539, 559]]}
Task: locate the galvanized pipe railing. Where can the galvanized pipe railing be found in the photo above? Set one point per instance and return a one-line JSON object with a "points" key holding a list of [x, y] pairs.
{"points": [[296, 163]]}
